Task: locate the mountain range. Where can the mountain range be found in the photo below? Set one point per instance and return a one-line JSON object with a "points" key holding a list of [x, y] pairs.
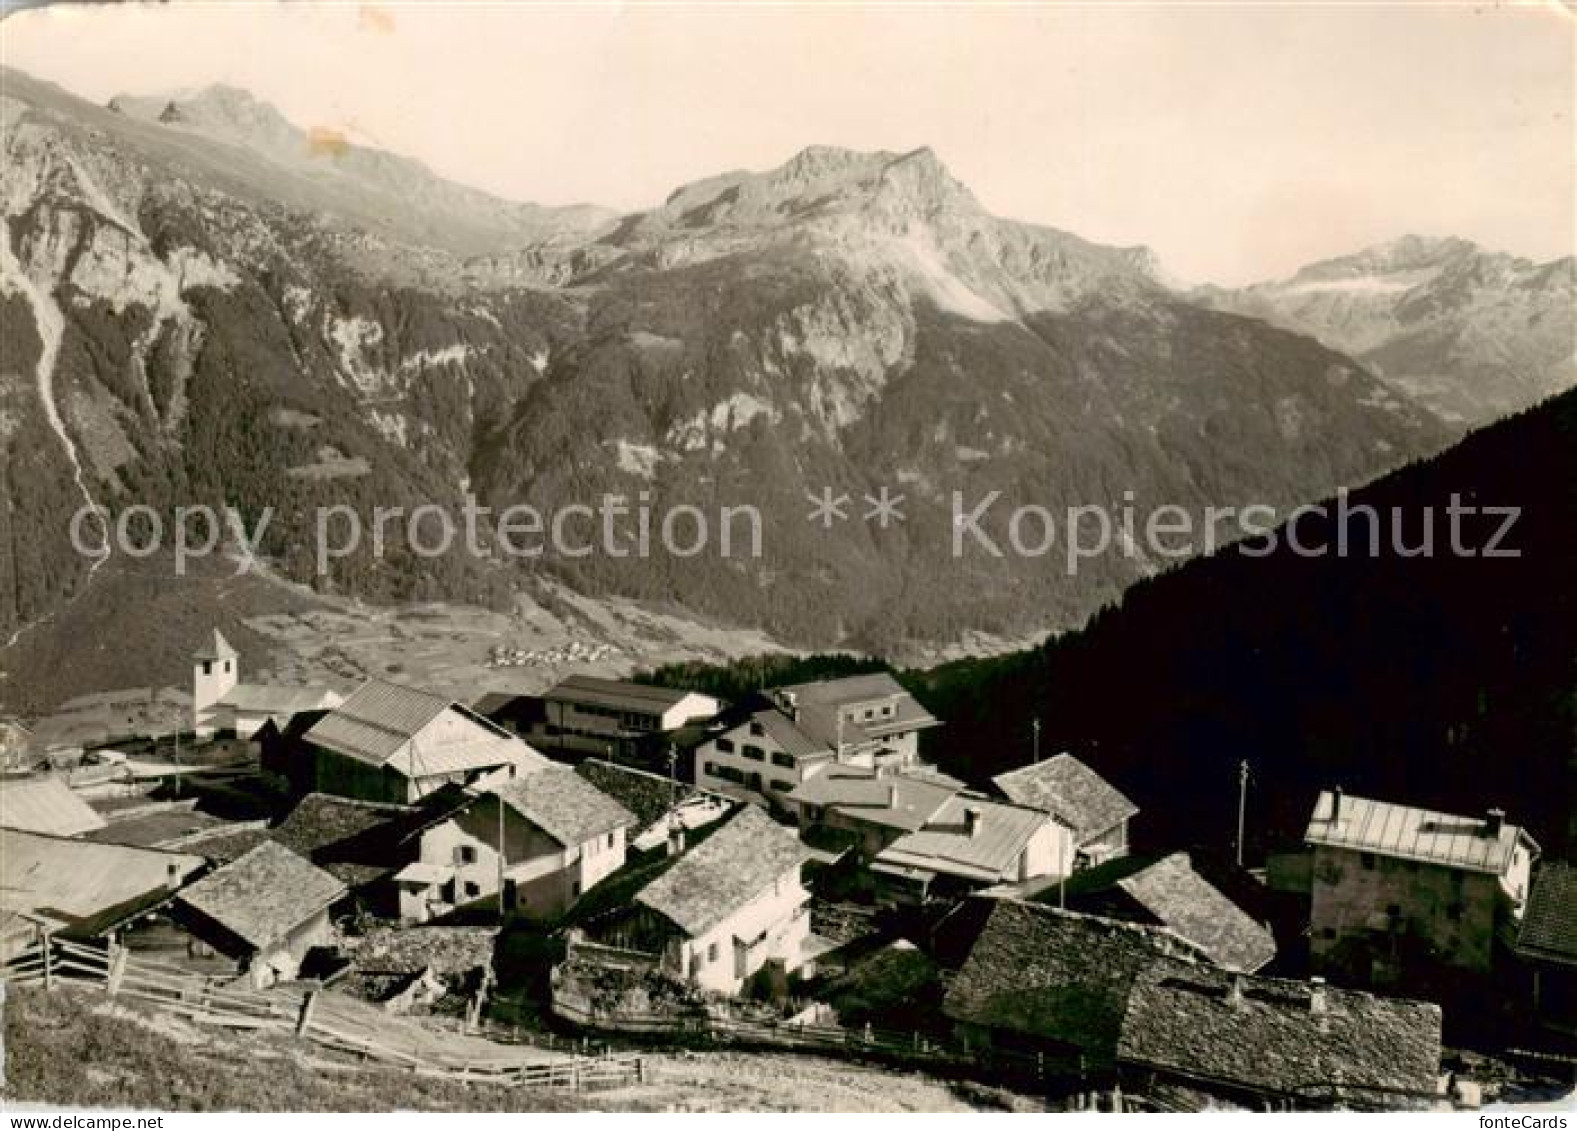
{"points": [[204, 303]]}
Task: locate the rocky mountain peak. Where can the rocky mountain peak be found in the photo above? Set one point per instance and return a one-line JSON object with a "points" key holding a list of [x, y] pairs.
{"points": [[1406, 253]]}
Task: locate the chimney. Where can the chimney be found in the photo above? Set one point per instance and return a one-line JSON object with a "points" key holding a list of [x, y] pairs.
{"points": [[1494, 821], [1317, 995], [675, 839], [1235, 991], [172, 876], [789, 702], [972, 820], [1336, 805], [892, 795]]}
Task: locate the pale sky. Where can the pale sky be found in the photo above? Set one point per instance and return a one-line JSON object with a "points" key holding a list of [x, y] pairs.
{"points": [[1239, 142]]}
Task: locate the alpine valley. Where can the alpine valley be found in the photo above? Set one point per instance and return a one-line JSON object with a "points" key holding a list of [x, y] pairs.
{"points": [[203, 303]]}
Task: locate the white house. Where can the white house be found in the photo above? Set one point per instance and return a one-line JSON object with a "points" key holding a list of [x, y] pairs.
{"points": [[971, 842], [549, 837], [731, 906], [1096, 811], [776, 742]]}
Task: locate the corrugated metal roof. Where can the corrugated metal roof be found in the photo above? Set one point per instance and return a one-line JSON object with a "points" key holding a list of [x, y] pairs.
{"points": [[945, 845], [377, 721], [419, 733], [1406, 833], [72, 880], [45, 805]]}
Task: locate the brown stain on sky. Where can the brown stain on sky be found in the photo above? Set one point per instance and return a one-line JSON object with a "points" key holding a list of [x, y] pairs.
{"points": [[322, 141], [370, 17]]}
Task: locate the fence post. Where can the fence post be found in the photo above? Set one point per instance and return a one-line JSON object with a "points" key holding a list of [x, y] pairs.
{"points": [[117, 971], [308, 1004]]}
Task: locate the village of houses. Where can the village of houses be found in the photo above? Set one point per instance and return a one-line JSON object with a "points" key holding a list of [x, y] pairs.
{"points": [[535, 889]]}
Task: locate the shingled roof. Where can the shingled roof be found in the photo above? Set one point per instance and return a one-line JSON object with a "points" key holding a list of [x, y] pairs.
{"points": [[730, 868], [264, 895], [1055, 975], [564, 805], [334, 833], [1275, 1037], [1183, 900], [1549, 922], [647, 795], [1070, 791]]}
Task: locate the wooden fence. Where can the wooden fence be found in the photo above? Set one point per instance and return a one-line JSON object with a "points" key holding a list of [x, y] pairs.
{"points": [[904, 1049], [327, 1019]]}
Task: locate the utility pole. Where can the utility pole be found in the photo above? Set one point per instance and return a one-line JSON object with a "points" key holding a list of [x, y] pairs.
{"points": [[1242, 805], [1034, 727], [499, 799]]}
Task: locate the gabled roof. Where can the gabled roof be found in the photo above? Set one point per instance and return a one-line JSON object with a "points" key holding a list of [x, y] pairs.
{"points": [[264, 895], [215, 648], [564, 805], [76, 882], [277, 699], [45, 805], [944, 844], [418, 733], [1184, 901], [1549, 922], [1054, 975], [896, 801], [1070, 791], [619, 694], [1406, 833], [1267, 1039], [732, 867]]}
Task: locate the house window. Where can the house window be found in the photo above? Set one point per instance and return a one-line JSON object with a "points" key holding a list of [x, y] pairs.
{"points": [[780, 786], [785, 760], [725, 746], [472, 889], [755, 754], [208, 667], [757, 730], [574, 890], [711, 952], [465, 854], [610, 840]]}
